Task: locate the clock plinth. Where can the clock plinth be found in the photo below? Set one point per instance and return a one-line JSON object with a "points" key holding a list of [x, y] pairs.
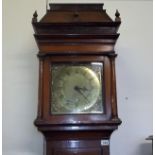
{"points": [[77, 109]]}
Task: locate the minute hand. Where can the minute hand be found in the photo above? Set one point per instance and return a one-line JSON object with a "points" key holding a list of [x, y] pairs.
{"points": [[79, 91]]}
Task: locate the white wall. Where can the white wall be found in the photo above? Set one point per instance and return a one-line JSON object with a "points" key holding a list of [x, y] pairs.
{"points": [[20, 77]]}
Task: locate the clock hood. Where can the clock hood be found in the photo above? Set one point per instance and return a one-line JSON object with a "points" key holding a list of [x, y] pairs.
{"points": [[82, 25]]}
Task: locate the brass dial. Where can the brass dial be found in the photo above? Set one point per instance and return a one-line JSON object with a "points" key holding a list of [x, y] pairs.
{"points": [[75, 89]]}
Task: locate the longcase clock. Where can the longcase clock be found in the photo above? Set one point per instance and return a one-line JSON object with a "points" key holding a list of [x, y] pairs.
{"points": [[77, 109]]}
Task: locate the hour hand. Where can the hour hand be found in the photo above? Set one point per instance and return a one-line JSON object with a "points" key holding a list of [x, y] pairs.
{"points": [[81, 88], [84, 89]]}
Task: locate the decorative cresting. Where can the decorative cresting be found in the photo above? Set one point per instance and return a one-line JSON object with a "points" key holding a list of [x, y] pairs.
{"points": [[117, 14], [74, 24], [77, 109], [34, 19]]}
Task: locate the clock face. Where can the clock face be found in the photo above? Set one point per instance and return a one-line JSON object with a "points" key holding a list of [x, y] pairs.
{"points": [[76, 88]]}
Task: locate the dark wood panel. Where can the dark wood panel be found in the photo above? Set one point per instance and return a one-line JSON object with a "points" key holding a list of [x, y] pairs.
{"points": [[77, 151], [76, 49], [78, 147], [77, 7]]}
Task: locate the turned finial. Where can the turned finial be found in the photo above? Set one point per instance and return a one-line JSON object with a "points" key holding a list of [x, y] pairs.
{"points": [[35, 15], [117, 16]]}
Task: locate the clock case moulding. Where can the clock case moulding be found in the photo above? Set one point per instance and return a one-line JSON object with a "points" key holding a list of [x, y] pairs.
{"points": [[75, 33]]}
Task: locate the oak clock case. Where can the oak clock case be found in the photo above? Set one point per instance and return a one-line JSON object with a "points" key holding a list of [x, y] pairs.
{"points": [[77, 109]]}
